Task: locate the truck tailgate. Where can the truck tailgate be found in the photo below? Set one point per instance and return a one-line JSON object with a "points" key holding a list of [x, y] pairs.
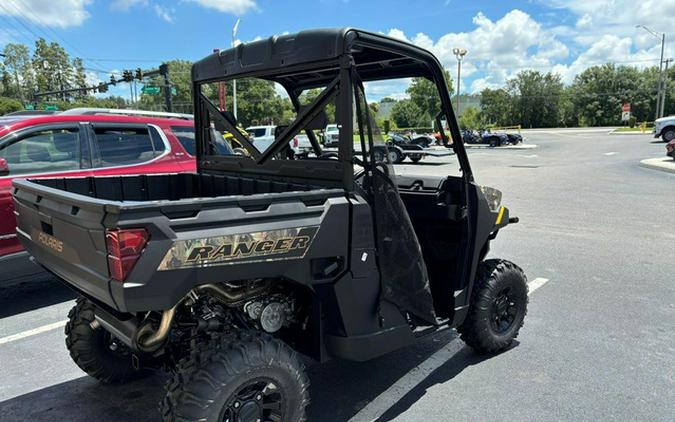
{"points": [[65, 233]]}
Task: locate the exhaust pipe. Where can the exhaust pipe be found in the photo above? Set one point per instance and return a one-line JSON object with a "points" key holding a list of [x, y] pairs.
{"points": [[150, 340]]}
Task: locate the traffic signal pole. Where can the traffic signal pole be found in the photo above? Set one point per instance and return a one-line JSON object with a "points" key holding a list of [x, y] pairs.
{"points": [[164, 71]]}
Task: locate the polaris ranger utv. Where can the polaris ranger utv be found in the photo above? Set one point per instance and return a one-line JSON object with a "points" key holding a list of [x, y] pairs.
{"points": [[226, 276]]}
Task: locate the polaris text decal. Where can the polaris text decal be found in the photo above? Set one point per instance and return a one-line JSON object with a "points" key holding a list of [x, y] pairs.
{"points": [[273, 245]]}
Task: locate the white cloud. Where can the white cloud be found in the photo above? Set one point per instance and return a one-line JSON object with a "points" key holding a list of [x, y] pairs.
{"points": [[61, 13], [234, 7], [163, 13], [496, 49], [127, 4]]}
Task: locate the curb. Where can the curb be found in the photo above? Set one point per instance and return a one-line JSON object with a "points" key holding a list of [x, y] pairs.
{"points": [[521, 146], [666, 164]]}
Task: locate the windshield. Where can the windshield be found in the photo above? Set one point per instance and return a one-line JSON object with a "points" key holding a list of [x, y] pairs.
{"points": [[256, 132], [332, 128]]}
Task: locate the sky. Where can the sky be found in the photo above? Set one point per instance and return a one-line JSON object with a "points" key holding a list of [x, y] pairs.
{"points": [[502, 37]]}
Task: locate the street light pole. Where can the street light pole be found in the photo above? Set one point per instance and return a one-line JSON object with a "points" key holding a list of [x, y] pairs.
{"points": [[660, 91], [459, 54], [234, 81]]}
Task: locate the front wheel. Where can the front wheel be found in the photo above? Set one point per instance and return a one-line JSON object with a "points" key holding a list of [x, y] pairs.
{"points": [[668, 134], [251, 377], [395, 156], [498, 306]]}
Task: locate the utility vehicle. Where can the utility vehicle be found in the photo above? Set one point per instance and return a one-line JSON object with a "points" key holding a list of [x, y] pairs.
{"points": [[226, 276]]}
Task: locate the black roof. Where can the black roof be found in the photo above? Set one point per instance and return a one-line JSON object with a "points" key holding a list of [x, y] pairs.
{"points": [[376, 57]]}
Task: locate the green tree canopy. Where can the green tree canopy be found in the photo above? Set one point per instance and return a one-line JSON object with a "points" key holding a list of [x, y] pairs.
{"points": [[407, 113]]}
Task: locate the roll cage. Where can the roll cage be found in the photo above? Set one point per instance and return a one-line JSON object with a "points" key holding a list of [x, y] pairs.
{"points": [[337, 60]]}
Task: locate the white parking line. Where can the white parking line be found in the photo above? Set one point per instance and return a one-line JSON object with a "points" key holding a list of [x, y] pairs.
{"points": [[400, 388], [33, 332], [611, 153]]}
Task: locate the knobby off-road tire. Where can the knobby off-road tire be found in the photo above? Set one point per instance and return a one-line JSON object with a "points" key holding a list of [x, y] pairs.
{"points": [[91, 348], [235, 377], [498, 306]]}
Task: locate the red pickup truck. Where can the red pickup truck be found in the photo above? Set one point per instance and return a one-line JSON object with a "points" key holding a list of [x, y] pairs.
{"points": [[65, 145]]}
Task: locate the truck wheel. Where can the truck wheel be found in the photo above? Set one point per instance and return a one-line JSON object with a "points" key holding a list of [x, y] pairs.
{"points": [[498, 306], [94, 350], [253, 377], [668, 134]]}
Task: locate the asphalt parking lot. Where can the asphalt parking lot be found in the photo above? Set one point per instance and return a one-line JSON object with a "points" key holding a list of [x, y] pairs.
{"points": [[596, 241]]}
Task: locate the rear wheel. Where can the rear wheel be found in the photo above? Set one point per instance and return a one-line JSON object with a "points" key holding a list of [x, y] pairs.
{"points": [[251, 377], [498, 306], [94, 350], [668, 134]]}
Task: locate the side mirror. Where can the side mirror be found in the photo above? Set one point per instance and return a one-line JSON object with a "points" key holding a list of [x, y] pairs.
{"points": [[4, 167]]}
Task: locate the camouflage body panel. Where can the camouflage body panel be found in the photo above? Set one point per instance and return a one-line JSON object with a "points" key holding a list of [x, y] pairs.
{"points": [[266, 246]]}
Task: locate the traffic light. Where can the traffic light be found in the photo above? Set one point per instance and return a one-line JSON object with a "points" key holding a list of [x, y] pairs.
{"points": [[128, 76], [102, 88], [113, 81], [139, 74]]}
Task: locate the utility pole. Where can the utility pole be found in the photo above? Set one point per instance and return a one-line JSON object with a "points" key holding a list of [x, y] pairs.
{"points": [[164, 71], [665, 86], [660, 90], [459, 54], [234, 81]]}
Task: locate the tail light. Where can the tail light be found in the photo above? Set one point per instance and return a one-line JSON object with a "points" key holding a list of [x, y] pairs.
{"points": [[295, 142], [124, 247]]}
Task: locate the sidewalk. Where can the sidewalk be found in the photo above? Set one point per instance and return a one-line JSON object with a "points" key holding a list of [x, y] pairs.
{"points": [[666, 164]]}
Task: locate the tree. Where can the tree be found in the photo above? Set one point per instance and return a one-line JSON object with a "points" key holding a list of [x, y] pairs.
{"points": [[179, 73], [424, 94], [387, 100], [18, 66], [470, 119], [601, 90], [79, 78], [495, 106], [536, 98], [8, 105], [406, 113]]}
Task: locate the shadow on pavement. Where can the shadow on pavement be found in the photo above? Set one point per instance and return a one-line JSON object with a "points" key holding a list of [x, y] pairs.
{"points": [[38, 292], [339, 389]]}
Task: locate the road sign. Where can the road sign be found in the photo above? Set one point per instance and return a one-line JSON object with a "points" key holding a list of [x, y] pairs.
{"points": [[29, 107], [51, 107], [150, 90], [625, 108], [625, 116], [173, 91]]}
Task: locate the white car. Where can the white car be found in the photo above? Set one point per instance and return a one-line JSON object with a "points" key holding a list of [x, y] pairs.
{"points": [[261, 136], [665, 128], [331, 136]]}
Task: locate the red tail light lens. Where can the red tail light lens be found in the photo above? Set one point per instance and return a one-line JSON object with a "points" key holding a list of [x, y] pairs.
{"points": [[295, 142], [124, 247]]}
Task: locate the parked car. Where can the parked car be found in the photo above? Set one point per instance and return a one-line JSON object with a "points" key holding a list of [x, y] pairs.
{"points": [[66, 145], [331, 136], [670, 149], [261, 136], [301, 145], [665, 128]]}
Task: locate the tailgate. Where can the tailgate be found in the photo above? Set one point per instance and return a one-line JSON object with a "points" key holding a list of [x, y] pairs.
{"points": [[64, 232]]}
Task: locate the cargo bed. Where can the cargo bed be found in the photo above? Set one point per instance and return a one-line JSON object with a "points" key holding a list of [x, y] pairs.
{"points": [[64, 221]]}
